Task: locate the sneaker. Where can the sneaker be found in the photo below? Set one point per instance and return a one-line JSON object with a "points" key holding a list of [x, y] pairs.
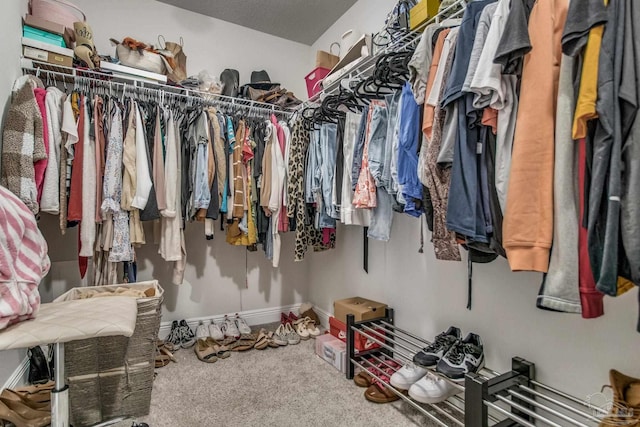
{"points": [[202, 332], [431, 355], [405, 377], [242, 325], [230, 329], [463, 357], [187, 337], [174, 336], [292, 336], [215, 332], [432, 389], [280, 336]]}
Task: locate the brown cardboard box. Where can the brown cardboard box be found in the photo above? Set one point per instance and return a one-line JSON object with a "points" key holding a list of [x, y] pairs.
{"points": [[361, 308], [52, 27], [326, 59], [46, 56]]}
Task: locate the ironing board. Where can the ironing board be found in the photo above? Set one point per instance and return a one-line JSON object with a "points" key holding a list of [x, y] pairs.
{"points": [[61, 322]]}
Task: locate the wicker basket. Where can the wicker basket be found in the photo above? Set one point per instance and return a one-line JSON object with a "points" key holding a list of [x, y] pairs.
{"points": [[113, 376]]}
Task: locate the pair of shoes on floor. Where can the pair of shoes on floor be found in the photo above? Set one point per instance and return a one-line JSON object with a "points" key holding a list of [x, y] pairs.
{"points": [[209, 350], [377, 391], [423, 386], [285, 335], [234, 327], [181, 335], [453, 356], [288, 318], [306, 328], [164, 353]]}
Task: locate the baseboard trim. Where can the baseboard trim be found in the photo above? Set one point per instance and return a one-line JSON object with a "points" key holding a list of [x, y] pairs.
{"points": [[17, 379], [323, 315], [253, 317]]}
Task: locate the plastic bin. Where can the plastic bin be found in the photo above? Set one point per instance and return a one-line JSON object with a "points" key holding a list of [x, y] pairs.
{"points": [[313, 80]]}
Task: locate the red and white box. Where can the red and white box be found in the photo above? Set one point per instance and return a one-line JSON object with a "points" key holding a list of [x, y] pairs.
{"points": [[361, 343]]}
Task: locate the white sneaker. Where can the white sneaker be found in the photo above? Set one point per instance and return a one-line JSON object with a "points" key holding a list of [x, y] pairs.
{"points": [[215, 332], [242, 325], [229, 328], [202, 332], [406, 376], [432, 389]]}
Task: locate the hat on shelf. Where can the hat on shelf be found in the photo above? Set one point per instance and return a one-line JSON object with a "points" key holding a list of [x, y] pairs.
{"points": [[261, 80], [230, 80]]}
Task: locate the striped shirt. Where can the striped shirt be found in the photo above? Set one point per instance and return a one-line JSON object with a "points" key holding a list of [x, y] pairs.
{"points": [[23, 260]]}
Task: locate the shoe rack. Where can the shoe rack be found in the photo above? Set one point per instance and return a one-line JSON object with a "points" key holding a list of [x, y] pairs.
{"points": [[489, 398]]}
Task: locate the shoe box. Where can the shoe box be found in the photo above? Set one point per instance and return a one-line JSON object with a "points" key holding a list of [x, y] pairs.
{"points": [[333, 351], [361, 308], [339, 330]]}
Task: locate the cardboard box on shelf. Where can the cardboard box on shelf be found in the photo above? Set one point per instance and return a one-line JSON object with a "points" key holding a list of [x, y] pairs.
{"points": [[361, 343], [421, 12], [45, 56], [361, 308], [325, 59], [333, 351]]}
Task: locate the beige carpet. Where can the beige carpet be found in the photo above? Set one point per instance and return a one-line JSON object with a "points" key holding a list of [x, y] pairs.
{"points": [[287, 386]]}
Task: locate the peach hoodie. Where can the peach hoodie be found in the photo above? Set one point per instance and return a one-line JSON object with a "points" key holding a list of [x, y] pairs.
{"points": [[528, 222]]}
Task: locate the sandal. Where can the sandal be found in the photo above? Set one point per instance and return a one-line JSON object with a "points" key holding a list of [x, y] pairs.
{"points": [[263, 340], [205, 352], [246, 342], [378, 392], [222, 351], [363, 379], [162, 360]]}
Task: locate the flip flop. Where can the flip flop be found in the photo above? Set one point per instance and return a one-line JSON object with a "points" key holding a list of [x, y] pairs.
{"points": [[222, 351]]}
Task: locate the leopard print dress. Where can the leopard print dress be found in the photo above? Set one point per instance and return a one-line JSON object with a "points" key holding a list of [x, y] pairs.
{"points": [[306, 234]]}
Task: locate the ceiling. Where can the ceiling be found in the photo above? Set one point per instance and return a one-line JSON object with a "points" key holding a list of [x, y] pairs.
{"points": [[303, 21]]}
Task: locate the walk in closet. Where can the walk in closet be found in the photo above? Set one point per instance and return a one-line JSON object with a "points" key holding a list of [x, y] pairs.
{"points": [[289, 213]]}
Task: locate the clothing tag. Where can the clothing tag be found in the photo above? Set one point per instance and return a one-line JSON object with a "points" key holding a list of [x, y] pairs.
{"points": [[614, 198], [479, 148]]}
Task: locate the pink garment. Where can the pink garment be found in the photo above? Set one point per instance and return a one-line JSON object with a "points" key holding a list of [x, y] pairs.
{"points": [[326, 235], [283, 220], [40, 166], [365, 194], [23, 260]]}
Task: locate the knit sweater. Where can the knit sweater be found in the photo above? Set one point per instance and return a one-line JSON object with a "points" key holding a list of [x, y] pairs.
{"points": [[23, 142]]}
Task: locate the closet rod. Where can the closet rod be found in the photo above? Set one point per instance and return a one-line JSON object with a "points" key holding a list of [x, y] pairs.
{"points": [[71, 75], [399, 44]]}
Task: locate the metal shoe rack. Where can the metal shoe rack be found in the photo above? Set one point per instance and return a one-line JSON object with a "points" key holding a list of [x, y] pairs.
{"points": [[489, 398]]}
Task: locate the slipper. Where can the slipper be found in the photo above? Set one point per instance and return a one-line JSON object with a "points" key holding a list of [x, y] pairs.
{"points": [[301, 329], [363, 379], [271, 342], [205, 352], [162, 360], [380, 394], [263, 340]]}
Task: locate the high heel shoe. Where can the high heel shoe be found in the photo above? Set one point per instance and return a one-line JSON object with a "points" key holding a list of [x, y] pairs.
{"points": [[38, 418], [22, 409], [9, 394]]}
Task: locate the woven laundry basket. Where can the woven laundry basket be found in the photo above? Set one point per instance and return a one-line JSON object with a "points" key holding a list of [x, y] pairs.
{"points": [[113, 376]]}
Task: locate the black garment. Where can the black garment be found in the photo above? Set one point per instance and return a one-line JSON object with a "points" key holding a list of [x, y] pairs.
{"points": [[258, 151], [148, 112], [214, 203], [515, 42], [428, 207], [339, 173], [495, 240]]}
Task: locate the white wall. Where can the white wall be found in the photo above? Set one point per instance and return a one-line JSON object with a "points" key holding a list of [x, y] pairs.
{"points": [[429, 295], [209, 43], [10, 52], [219, 278]]}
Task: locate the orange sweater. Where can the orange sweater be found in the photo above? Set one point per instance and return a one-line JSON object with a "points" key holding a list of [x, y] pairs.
{"points": [[528, 222]]}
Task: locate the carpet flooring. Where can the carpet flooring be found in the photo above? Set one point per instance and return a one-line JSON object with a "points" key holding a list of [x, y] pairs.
{"points": [[286, 386]]}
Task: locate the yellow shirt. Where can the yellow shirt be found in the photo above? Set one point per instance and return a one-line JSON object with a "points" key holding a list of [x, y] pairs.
{"points": [[588, 91]]}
